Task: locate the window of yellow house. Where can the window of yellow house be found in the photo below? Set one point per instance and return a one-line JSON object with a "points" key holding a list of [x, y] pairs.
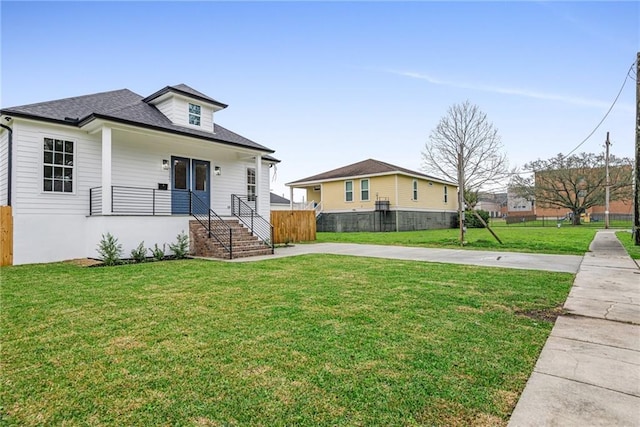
{"points": [[415, 189], [364, 190], [446, 195], [348, 191]]}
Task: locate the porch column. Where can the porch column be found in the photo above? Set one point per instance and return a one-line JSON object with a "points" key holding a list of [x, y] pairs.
{"points": [[291, 198], [258, 181], [106, 170]]}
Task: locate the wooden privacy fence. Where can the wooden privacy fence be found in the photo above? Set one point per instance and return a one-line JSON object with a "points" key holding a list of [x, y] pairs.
{"points": [[6, 236], [293, 226]]}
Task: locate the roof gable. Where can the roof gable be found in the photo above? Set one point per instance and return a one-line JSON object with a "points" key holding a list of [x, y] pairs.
{"points": [[365, 168], [189, 92]]}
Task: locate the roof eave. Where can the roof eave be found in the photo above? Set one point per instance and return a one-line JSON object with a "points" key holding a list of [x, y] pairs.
{"points": [[168, 89], [371, 175], [95, 116]]}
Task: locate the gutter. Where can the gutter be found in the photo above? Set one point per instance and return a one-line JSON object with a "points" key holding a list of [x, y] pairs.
{"points": [[9, 158]]}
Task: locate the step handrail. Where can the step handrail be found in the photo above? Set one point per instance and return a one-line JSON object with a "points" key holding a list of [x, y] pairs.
{"points": [[257, 225], [216, 227]]}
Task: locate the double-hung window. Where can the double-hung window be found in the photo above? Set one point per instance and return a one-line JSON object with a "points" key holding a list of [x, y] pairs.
{"points": [[364, 190], [348, 191], [58, 166], [251, 184], [446, 195], [195, 114], [415, 189]]}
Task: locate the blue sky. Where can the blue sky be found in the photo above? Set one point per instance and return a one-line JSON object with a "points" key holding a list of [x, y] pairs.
{"points": [[326, 84]]}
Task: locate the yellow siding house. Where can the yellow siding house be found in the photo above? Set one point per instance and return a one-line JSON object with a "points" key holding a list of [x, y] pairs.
{"points": [[376, 196]]}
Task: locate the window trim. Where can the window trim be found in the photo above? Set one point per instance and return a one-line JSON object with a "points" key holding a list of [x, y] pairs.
{"points": [[74, 153], [348, 191], [252, 196], [189, 114], [362, 190], [414, 190]]}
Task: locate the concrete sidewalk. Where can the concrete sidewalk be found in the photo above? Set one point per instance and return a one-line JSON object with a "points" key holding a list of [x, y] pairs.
{"points": [[588, 373], [559, 263]]}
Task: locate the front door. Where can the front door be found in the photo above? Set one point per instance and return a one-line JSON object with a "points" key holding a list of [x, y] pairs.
{"points": [[189, 175], [200, 185]]}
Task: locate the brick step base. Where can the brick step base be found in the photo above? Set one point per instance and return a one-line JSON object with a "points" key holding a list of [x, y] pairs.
{"points": [[244, 243]]}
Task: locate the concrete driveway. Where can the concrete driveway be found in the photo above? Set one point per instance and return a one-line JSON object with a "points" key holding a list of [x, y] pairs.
{"points": [[559, 263]]}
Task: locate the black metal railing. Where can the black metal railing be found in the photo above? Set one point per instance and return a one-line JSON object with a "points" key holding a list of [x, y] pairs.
{"points": [[132, 201], [215, 226], [257, 225]]}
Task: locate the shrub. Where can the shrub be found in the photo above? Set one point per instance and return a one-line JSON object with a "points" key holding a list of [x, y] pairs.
{"points": [[139, 254], [110, 250], [158, 254], [472, 221], [181, 248]]}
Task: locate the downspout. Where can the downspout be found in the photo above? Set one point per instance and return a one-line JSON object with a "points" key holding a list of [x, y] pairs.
{"points": [[9, 157]]}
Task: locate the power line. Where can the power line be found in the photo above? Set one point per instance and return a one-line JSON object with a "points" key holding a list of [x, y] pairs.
{"points": [[606, 114]]}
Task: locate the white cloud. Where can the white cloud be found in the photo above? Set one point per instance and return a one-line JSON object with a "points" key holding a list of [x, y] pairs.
{"points": [[567, 99]]}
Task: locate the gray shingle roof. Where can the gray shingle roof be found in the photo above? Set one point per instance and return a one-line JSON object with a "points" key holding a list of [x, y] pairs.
{"points": [[364, 168], [124, 106], [274, 198], [185, 90]]}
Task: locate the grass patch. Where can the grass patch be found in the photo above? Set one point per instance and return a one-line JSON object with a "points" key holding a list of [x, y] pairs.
{"points": [[626, 238], [564, 240], [312, 340]]}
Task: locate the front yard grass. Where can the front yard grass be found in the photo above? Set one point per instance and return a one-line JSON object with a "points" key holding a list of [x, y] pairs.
{"points": [[626, 238], [312, 340], [569, 240]]}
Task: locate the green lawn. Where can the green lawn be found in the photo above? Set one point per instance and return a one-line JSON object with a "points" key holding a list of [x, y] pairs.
{"points": [[311, 340], [626, 239], [564, 240]]}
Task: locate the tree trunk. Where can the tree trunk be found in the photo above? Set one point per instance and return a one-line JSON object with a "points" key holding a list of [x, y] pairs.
{"points": [[576, 218]]}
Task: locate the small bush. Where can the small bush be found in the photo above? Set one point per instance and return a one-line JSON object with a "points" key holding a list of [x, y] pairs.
{"points": [[139, 254], [181, 248], [157, 252], [110, 250], [473, 222]]}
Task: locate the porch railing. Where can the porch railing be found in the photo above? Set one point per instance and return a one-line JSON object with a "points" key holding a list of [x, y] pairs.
{"points": [[242, 207], [216, 227], [132, 201]]}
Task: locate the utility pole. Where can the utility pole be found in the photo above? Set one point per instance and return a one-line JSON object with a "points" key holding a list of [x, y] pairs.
{"points": [[606, 194], [461, 192], [636, 202]]}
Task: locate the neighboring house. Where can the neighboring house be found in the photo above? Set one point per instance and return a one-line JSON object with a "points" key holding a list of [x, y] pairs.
{"points": [[376, 196], [140, 168], [494, 203], [279, 203], [518, 206]]}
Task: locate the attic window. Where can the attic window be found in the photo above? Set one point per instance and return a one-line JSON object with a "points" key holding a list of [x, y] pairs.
{"points": [[195, 113]]}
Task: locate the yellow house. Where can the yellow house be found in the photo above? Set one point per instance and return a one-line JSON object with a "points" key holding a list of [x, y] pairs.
{"points": [[376, 196]]}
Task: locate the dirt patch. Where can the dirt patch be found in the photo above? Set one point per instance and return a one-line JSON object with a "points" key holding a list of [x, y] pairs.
{"points": [[84, 262], [547, 315]]}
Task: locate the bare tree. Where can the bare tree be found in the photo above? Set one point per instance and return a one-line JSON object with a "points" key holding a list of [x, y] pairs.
{"points": [[465, 147], [576, 182]]}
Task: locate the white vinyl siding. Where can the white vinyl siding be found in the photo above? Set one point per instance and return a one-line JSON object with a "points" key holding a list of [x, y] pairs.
{"points": [[181, 114], [4, 165], [28, 196], [167, 107]]}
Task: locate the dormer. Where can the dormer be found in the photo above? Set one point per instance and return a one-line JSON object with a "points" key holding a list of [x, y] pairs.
{"points": [[185, 106]]}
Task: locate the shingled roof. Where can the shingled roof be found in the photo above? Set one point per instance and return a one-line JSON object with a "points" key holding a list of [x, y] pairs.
{"points": [[364, 168], [125, 106]]}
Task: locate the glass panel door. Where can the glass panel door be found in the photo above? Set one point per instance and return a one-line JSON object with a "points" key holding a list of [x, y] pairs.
{"points": [[180, 177]]}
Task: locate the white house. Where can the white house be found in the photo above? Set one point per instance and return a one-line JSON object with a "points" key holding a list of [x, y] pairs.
{"points": [[140, 168]]}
